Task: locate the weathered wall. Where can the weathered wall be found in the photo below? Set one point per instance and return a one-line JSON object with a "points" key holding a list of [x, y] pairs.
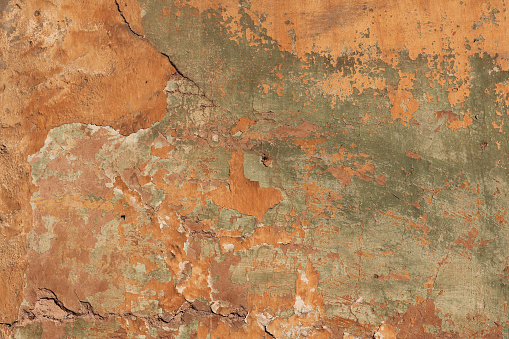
{"points": [[224, 169]]}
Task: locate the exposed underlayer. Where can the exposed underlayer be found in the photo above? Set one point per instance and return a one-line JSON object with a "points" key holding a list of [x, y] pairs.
{"points": [[250, 169]]}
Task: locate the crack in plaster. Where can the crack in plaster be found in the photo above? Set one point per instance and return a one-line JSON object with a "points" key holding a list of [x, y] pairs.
{"points": [[49, 307], [177, 70], [127, 22]]}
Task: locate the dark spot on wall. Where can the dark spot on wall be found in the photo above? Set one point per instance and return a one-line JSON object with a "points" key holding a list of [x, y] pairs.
{"points": [[265, 160]]}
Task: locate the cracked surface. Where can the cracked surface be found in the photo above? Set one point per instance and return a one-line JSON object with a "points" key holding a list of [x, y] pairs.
{"points": [[63, 62], [229, 169]]}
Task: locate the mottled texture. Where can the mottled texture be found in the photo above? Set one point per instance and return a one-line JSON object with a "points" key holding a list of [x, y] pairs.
{"points": [[321, 169], [62, 62]]}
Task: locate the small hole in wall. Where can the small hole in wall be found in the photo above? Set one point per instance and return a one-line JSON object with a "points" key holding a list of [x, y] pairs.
{"points": [[122, 217], [265, 160]]}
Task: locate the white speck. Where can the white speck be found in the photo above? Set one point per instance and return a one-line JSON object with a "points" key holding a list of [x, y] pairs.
{"points": [[264, 320], [300, 306], [304, 278], [229, 247], [215, 306]]}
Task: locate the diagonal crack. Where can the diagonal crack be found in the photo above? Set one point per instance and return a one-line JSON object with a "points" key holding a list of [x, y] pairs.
{"points": [[177, 70], [142, 36], [125, 20], [268, 333]]}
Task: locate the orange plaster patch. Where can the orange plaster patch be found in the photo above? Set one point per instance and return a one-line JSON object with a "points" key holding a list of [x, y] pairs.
{"points": [[458, 95], [453, 119], [398, 276], [386, 332], [469, 243], [403, 104], [242, 125], [380, 179], [496, 126], [244, 195], [300, 131], [413, 155], [345, 173], [467, 121], [308, 145], [161, 152]]}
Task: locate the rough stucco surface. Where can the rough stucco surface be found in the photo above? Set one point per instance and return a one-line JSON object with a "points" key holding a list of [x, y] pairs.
{"points": [[225, 169]]}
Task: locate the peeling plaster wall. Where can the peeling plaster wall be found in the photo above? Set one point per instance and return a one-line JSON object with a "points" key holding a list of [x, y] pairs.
{"points": [[250, 169]]}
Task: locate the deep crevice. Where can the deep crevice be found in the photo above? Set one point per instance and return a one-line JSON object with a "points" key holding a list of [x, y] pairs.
{"points": [[268, 333]]}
